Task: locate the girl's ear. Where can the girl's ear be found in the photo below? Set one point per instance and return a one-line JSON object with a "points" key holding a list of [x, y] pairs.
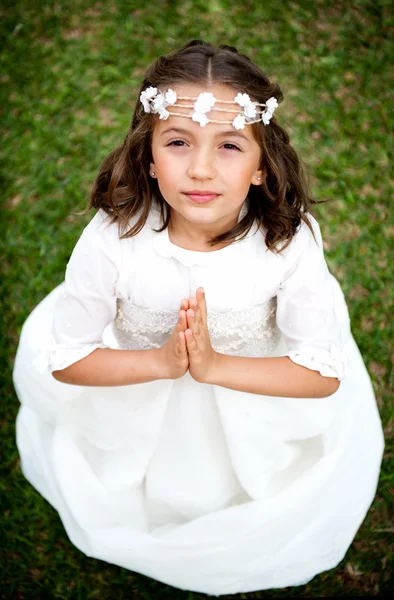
{"points": [[258, 177]]}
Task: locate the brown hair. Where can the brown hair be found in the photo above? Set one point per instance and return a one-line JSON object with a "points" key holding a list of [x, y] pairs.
{"points": [[123, 186]]}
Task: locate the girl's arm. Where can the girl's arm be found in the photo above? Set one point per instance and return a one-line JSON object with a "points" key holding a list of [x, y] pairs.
{"points": [[76, 353], [108, 367], [85, 306], [313, 318], [278, 376]]}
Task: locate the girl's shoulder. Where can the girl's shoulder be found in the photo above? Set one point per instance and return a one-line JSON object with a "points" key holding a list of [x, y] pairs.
{"points": [[102, 230], [98, 240], [304, 238], [104, 235], [100, 227], [305, 234]]}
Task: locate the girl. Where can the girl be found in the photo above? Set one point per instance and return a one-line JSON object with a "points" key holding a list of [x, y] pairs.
{"points": [[221, 433]]}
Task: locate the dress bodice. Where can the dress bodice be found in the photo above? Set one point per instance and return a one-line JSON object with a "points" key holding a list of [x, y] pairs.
{"points": [[256, 299], [250, 331]]}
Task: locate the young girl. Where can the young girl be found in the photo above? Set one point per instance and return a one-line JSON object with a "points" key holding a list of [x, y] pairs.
{"points": [[221, 433]]}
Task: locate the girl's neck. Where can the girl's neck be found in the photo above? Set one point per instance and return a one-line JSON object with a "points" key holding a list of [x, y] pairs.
{"points": [[195, 237]]}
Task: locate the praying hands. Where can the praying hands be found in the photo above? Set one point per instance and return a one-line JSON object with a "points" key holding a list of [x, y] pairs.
{"points": [[202, 356], [189, 347]]}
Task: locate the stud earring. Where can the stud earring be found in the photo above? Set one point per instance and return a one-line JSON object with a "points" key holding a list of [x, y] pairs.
{"points": [[258, 178], [153, 174]]}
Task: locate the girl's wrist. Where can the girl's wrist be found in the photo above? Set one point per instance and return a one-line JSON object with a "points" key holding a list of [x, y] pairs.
{"points": [[158, 364], [213, 374]]}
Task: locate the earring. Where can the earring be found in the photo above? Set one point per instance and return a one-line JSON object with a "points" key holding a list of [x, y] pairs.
{"points": [[258, 178], [153, 174]]}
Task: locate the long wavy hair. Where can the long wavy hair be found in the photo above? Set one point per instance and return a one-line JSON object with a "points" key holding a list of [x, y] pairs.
{"points": [[126, 192]]}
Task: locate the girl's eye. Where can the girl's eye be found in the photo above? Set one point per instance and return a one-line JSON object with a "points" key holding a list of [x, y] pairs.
{"points": [[181, 143], [230, 147], [176, 143]]}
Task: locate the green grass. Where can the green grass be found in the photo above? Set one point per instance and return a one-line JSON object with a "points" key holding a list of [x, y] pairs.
{"points": [[70, 70]]}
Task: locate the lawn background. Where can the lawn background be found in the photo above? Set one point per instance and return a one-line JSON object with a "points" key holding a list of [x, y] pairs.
{"points": [[69, 72]]}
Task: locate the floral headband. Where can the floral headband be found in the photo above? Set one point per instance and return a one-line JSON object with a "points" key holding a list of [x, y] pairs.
{"points": [[248, 112]]}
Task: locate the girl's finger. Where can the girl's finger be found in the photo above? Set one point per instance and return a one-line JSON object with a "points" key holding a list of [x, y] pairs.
{"points": [[184, 304], [191, 342], [192, 321], [181, 347], [189, 317], [202, 303], [195, 305], [182, 323]]}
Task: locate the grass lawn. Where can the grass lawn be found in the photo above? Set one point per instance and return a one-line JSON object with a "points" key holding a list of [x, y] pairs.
{"points": [[70, 70]]}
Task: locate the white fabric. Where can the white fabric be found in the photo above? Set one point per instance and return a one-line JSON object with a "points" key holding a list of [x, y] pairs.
{"points": [[198, 486]]}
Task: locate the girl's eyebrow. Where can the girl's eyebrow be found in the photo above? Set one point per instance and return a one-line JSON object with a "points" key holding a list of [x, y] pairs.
{"points": [[181, 131]]}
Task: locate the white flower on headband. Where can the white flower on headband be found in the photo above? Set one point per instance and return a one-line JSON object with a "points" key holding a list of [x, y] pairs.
{"points": [[163, 100], [163, 113], [250, 108], [271, 104], [200, 117], [170, 97], [156, 102], [204, 102], [239, 122], [145, 96], [242, 99], [159, 104]]}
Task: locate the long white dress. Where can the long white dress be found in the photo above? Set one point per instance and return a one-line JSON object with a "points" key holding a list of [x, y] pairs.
{"points": [[198, 486]]}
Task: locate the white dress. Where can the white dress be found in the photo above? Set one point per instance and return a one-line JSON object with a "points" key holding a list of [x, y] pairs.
{"points": [[195, 485]]}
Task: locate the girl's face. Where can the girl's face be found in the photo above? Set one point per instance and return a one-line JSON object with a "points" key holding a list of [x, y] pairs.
{"points": [[194, 164]]}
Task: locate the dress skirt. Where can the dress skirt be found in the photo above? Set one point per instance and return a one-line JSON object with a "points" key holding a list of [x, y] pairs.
{"points": [[198, 486]]}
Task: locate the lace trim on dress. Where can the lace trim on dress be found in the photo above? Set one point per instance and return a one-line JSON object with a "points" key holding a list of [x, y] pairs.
{"points": [[57, 357], [332, 363], [243, 332]]}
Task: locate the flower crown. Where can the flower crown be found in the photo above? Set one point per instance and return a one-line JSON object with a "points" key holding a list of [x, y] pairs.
{"points": [[248, 112]]}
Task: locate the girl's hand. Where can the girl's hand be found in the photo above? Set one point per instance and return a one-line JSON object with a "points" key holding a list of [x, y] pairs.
{"points": [[173, 356], [202, 356]]}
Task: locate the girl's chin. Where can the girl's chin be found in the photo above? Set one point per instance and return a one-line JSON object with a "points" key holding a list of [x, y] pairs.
{"points": [[197, 210]]}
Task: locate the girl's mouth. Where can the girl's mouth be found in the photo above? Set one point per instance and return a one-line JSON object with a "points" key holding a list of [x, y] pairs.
{"points": [[201, 197]]}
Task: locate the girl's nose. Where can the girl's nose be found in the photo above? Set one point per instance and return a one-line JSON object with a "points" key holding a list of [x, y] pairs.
{"points": [[201, 166]]}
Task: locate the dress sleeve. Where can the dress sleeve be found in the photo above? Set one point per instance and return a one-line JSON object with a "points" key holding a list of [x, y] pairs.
{"points": [[312, 313], [87, 302]]}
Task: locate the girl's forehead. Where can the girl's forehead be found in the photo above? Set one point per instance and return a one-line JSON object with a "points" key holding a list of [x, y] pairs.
{"points": [[176, 125]]}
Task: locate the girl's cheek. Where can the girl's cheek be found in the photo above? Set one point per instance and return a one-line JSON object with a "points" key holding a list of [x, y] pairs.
{"points": [[166, 164]]}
